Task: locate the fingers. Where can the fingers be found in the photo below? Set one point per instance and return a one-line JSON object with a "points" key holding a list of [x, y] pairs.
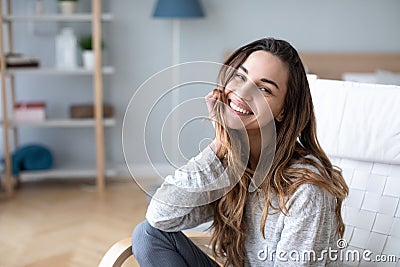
{"points": [[213, 95], [211, 98]]}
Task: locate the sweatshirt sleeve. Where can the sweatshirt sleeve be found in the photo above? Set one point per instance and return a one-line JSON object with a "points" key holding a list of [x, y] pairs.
{"points": [[183, 200], [308, 228]]}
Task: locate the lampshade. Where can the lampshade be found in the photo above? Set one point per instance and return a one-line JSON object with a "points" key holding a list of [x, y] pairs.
{"points": [[178, 9]]}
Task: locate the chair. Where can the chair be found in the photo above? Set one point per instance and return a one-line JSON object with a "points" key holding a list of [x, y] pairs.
{"points": [[359, 128], [122, 250], [117, 254]]}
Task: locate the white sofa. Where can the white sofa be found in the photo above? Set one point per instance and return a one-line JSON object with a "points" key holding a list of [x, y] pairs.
{"points": [[358, 126]]}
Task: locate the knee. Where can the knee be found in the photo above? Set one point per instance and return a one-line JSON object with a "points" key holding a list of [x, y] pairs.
{"points": [[141, 243]]}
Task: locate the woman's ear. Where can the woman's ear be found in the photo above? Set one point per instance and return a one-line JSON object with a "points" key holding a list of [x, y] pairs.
{"points": [[279, 117]]}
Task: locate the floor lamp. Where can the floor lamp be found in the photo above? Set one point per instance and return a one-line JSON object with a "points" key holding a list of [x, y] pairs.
{"points": [[176, 10]]}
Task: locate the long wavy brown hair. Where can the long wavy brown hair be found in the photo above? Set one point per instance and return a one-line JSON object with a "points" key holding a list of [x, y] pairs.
{"points": [[295, 139]]}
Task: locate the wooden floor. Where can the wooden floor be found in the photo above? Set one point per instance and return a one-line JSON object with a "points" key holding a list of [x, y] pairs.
{"points": [[67, 223]]}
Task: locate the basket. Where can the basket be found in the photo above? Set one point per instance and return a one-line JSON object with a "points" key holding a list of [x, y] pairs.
{"points": [[86, 111]]}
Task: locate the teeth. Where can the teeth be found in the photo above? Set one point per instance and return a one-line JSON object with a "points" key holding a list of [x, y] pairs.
{"points": [[236, 108]]}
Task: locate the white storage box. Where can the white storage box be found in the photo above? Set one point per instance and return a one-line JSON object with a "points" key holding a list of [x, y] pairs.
{"points": [[30, 111]]}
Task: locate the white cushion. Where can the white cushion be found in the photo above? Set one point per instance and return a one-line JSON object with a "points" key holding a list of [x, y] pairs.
{"points": [[358, 121], [387, 77]]}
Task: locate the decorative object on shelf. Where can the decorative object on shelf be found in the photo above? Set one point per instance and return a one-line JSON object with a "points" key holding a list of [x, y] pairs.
{"points": [[86, 45], [29, 112], [14, 60], [85, 111], [67, 6], [66, 49], [31, 157]]}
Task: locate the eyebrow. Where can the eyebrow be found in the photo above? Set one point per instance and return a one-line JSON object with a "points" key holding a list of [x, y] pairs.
{"points": [[262, 79]]}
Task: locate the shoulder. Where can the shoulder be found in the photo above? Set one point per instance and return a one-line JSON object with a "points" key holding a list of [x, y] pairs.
{"points": [[308, 166], [310, 199]]}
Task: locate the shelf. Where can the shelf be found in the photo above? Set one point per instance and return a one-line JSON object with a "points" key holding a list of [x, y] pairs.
{"points": [[62, 123], [66, 172], [56, 71], [94, 17], [83, 17]]}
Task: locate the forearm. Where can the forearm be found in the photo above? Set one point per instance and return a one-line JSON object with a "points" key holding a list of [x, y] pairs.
{"points": [[183, 199]]}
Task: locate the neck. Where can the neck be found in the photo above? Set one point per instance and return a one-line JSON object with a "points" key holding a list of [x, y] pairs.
{"points": [[255, 148], [258, 140]]}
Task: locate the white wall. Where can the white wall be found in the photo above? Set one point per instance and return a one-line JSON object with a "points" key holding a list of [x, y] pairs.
{"points": [[139, 46]]}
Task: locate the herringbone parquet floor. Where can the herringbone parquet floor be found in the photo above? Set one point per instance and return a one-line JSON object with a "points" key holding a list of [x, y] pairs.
{"points": [[63, 223]]}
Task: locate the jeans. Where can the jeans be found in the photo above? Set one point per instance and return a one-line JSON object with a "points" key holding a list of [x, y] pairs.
{"points": [[153, 247]]}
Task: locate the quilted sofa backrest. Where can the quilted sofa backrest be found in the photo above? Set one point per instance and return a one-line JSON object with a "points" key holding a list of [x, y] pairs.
{"points": [[359, 128]]}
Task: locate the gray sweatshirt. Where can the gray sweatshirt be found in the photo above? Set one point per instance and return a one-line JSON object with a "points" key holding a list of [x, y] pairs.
{"points": [[307, 232]]}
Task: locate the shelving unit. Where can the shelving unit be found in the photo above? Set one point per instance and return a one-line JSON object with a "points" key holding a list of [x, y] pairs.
{"points": [[56, 17], [72, 171], [96, 17], [60, 123], [55, 71]]}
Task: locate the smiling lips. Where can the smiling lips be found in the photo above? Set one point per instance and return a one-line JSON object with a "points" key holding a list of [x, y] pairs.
{"points": [[239, 108]]}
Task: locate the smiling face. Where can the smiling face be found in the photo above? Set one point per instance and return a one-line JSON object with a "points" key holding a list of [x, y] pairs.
{"points": [[256, 91]]}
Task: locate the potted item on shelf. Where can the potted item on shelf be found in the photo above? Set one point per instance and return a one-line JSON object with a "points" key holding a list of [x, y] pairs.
{"points": [[85, 43], [67, 6]]}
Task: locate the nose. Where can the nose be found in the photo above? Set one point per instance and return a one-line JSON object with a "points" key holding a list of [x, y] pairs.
{"points": [[245, 90]]}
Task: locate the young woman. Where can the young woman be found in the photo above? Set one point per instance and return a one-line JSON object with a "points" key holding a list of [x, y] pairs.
{"points": [[292, 216]]}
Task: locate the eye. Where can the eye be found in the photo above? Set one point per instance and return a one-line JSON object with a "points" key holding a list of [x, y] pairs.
{"points": [[266, 90], [240, 77]]}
